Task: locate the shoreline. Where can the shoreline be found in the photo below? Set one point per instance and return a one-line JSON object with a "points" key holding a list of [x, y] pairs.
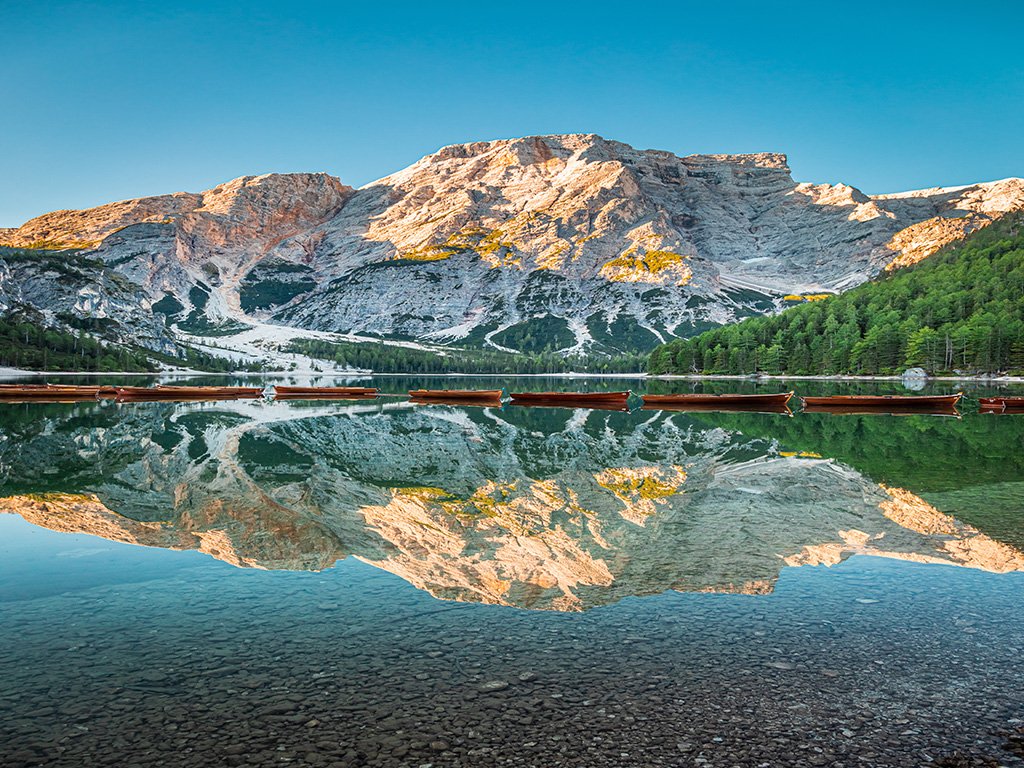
{"points": [[794, 377], [6, 373]]}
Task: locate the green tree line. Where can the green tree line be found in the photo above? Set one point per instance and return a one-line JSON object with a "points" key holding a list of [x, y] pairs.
{"points": [[34, 347], [31, 346], [389, 358], [960, 309]]}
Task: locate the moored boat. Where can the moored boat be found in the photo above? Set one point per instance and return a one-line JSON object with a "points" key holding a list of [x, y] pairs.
{"points": [[571, 399], [455, 396], [232, 390], [22, 387], [34, 391], [1008, 404], [10, 399], [881, 402], [701, 401], [323, 392], [164, 392]]}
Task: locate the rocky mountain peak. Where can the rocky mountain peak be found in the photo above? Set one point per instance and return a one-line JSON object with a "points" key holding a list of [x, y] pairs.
{"points": [[258, 202], [561, 242]]}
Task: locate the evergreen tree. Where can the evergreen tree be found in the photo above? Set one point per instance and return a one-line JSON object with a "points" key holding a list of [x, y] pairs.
{"points": [[962, 308]]}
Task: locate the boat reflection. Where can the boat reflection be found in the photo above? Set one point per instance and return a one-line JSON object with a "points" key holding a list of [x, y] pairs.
{"points": [[574, 404], [718, 408], [889, 410]]}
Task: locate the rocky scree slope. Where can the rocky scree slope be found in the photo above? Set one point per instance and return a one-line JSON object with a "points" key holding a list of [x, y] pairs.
{"points": [[560, 242]]}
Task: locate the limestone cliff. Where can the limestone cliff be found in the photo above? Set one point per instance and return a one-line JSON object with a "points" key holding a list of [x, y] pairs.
{"points": [[591, 243]]}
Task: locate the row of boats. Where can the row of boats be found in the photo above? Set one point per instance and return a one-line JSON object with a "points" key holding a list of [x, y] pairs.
{"points": [[765, 403], [39, 392], [770, 403]]}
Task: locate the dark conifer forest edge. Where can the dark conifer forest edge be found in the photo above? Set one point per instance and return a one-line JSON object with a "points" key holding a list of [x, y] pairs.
{"points": [[959, 310]]}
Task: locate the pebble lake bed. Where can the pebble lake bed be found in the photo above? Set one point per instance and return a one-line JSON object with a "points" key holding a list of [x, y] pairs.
{"points": [[388, 585], [864, 663]]}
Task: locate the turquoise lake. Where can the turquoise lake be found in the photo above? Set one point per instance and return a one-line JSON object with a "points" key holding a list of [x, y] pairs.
{"points": [[375, 583]]}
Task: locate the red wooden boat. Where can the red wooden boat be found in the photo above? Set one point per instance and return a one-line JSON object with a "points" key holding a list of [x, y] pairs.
{"points": [[571, 399], [455, 396], [1013, 404], [323, 393], [163, 392], [883, 402], [32, 391], [45, 398], [719, 401], [241, 391]]}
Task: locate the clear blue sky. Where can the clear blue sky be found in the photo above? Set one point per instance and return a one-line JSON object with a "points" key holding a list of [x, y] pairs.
{"points": [[110, 100]]}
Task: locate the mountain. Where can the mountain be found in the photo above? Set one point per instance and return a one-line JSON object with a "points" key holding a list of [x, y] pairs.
{"points": [[69, 289], [961, 310], [561, 509], [548, 242]]}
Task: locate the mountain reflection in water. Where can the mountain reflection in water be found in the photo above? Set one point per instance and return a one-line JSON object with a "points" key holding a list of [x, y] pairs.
{"points": [[537, 508]]}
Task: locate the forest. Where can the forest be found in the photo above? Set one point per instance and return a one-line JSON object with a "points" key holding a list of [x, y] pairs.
{"points": [[961, 309], [33, 347], [389, 358]]}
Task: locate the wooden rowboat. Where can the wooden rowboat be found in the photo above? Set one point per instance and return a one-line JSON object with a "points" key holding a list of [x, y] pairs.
{"points": [[44, 398], [325, 393], [186, 393], [882, 402], [719, 401], [576, 399], [1011, 404], [43, 392], [23, 387], [455, 396], [32, 391], [597, 401], [58, 387], [244, 391], [298, 392]]}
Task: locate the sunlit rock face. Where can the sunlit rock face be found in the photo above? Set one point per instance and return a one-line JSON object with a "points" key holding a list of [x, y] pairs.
{"points": [[563, 510], [602, 245], [194, 247]]}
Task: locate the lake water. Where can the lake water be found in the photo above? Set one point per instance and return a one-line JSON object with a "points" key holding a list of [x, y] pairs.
{"points": [[383, 584]]}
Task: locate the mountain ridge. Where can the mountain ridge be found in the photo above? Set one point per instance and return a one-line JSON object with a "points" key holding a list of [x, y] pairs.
{"points": [[570, 243]]}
